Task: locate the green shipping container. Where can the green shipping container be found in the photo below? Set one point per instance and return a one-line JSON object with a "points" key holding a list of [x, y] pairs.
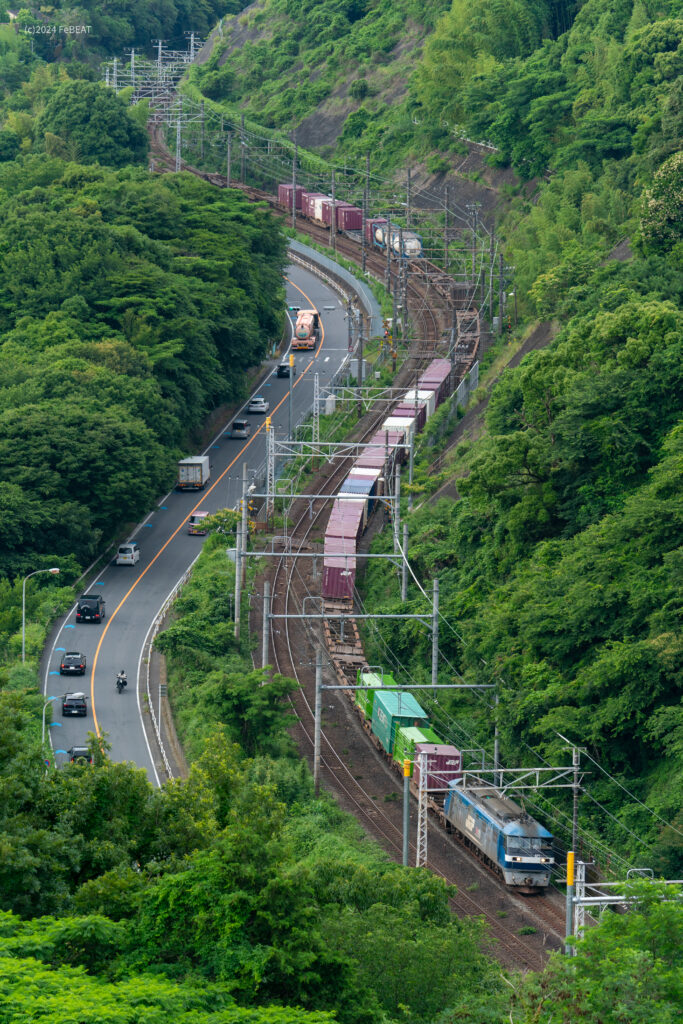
{"points": [[365, 698], [407, 737], [390, 711]]}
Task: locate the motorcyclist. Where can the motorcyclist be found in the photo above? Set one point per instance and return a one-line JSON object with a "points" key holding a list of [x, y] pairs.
{"points": [[121, 680]]}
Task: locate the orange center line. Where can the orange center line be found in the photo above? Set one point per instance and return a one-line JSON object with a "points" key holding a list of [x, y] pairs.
{"points": [[144, 572]]}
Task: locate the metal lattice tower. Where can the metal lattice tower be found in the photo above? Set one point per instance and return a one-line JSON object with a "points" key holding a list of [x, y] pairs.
{"points": [[579, 908], [421, 855]]}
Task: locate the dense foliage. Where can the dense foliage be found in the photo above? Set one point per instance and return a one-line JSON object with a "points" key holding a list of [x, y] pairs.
{"points": [[129, 307], [90, 28]]}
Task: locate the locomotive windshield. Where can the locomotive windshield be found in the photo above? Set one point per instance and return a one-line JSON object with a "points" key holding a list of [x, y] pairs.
{"points": [[524, 844]]}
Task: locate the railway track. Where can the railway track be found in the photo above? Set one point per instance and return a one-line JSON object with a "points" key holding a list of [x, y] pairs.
{"points": [[292, 645], [436, 306]]}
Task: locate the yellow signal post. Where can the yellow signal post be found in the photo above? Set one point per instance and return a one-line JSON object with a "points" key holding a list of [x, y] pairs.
{"points": [[569, 925], [407, 766]]}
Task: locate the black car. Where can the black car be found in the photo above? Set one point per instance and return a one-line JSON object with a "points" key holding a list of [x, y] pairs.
{"points": [[283, 370], [80, 755], [90, 608], [72, 664], [74, 704]]}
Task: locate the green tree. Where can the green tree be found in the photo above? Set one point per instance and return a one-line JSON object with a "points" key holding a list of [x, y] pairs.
{"points": [[95, 123]]}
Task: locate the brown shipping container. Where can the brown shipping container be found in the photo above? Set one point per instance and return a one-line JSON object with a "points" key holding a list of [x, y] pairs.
{"points": [[370, 225], [444, 763], [308, 201], [339, 577], [349, 218], [284, 196], [408, 409]]}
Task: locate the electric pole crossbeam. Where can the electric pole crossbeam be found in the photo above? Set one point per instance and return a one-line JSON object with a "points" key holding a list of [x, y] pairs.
{"points": [[519, 778]]}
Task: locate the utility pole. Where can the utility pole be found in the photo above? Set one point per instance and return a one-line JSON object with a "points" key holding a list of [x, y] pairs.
{"points": [[366, 199], [361, 339], [240, 552], [270, 468], [333, 217], [446, 226], [294, 163], [243, 151], [408, 200], [318, 719], [576, 763], [492, 256], [115, 75], [229, 161], [132, 69], [496, 740], [265, 624], [245, 529], [387, 240], [404, 566], [291, 375], [178, 140], [349, 325], [397, 507], [500, 292], [435, 634], [201, 139]]}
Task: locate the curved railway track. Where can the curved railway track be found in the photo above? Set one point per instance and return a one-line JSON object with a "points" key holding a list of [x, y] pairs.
{"points": [[435, 304], [292, 645]]}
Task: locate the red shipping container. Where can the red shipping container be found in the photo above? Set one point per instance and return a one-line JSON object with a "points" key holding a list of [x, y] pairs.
{"points": [[349, 218], [340, 547], [388, 438], [308, 202], [444, 763], [340, 204], [339, 577], [438, 378], [419, 412], [284, 196]]}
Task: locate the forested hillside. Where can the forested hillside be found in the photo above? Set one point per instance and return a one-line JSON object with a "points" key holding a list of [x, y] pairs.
{"points": [[560, 566], [132, 305]]}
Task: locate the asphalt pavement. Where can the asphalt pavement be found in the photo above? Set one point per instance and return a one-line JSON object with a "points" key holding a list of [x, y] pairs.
{"points": [[134, 595]]}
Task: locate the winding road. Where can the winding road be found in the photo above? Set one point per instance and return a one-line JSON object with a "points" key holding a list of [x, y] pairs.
{"points": [[134, 595]]}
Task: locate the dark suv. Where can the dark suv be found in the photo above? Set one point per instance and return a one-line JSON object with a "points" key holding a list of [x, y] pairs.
{"points": [[72, 664], [74, 704], [80, 755], [283, 370], [90, 608]]}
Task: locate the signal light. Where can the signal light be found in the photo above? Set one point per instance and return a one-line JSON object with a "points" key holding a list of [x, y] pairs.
{"points": [[294, 309]]}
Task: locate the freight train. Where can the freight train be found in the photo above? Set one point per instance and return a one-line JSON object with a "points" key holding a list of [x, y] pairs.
{"points": [[491, 824], [348, 219]]}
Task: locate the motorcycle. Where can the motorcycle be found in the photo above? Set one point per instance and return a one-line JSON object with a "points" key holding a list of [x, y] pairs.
{"points": [[121, 682]]}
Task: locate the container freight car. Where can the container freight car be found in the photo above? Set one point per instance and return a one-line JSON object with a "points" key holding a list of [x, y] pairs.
{"points": [[503, 834], [437, 377], [390, 711], [284, 196], [347, 217], [426, 398], [309, 207], [444, 765]]}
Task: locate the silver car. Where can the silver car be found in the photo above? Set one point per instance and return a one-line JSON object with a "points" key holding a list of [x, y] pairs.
{"points": [[240, 429], [258, 404]]}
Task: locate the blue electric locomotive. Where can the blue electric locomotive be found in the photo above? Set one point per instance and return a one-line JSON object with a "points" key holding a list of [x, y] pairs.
{"points": [[503, 834]]}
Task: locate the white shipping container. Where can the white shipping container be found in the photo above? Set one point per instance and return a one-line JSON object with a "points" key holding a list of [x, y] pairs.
{"points": [[426, 397], [318, 207]]}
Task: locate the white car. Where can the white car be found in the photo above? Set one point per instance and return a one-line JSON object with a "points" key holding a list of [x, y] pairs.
{"points": [[128, 554], [258, 404]]}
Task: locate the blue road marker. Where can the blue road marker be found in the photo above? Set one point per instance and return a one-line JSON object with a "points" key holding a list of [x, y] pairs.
{"points": [[69, 626], [100, 584], [215, 446], [55, 673], [164, 507], [148, 526], [60, 648]]}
